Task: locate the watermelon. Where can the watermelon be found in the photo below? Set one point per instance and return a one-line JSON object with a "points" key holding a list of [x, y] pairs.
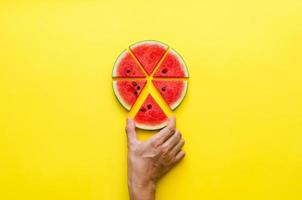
{"points": [[127, 91], [150, 116], [172, 91], [149, 53], [144, 61], [126, 66], [172, 66]]}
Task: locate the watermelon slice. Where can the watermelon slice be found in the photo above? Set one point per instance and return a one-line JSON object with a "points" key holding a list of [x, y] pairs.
{"points": [[128, 91], [126, 66], [149, 53], [150, 116], [173, 66], [144, 61], [172, 91]]}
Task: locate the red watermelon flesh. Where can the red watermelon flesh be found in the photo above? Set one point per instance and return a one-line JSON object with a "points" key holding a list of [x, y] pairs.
{"points": [[172, 66], [128, 91], [126, 66], [172, 91], [149, 53], [150, 116]]}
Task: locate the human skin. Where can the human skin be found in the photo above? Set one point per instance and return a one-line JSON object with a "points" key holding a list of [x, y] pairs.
{"points": [[149, 160]]}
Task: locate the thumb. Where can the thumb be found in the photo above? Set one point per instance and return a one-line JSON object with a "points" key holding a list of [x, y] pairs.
{"points": [[130, 130]]}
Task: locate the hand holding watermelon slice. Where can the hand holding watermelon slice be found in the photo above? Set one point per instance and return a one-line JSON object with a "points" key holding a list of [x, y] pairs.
{"points": [[168, 73], [149, 160]]}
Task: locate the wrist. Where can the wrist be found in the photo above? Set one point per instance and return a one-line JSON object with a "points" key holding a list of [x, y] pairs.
{"points": [[141, 190]]}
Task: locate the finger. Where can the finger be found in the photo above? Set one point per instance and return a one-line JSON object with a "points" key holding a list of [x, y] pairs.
{"points": [[165, 133], [130, 130], [168, 145], [177, 148], [180, 155]]}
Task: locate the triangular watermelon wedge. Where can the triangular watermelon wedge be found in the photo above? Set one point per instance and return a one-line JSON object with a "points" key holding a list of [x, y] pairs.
{"points": [[126, 66], [149, 53], [150, 116], [128, 91], [173, 66], [172, 91]]}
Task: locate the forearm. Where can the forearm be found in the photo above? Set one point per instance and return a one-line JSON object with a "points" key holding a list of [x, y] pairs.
{"points": [[141, 191]]}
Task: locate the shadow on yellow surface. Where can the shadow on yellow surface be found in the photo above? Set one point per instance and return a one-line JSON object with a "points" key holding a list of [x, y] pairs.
{"points": [[62, 130]]}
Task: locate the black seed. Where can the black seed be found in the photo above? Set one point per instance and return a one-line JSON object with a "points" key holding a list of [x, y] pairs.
{"points": [[163, 89], [149, 106], [135, 92], [143, 109], [128, 71], [164, 70], [134, 83], [138, 87]]}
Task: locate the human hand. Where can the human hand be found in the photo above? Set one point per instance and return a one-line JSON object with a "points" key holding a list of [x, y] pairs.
{"points": [[149, 160]]}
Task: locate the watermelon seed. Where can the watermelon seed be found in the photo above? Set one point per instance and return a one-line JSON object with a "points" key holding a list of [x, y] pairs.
{"points": [[164, 70], [135, 92], [134, 83], [143, 109], [149, 106], [138, 87], [128, 71], [163, 89]]}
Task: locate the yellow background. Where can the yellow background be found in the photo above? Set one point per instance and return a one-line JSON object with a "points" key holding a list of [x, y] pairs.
{"points": [[62, 130]]}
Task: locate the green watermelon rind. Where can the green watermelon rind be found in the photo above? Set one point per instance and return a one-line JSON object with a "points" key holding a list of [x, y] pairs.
{"points": [[146, 125], [180, 58], [183, 95], [127, 106], [118, 97], [132, 46], [181, 98], [151, 127], [116, 63], [182, 61], [150, 42]]}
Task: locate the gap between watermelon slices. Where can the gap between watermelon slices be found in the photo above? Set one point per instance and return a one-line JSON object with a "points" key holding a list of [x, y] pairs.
{"points": [[149, 89], [128, 91], [127, 79], [149, 54], [173, 91], [127, 66], [170, 79], [167, 102], [144, 93], [172, 66]]}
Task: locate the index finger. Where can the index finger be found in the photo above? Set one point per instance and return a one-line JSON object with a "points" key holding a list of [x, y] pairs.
{"points": [[165, 133]]}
